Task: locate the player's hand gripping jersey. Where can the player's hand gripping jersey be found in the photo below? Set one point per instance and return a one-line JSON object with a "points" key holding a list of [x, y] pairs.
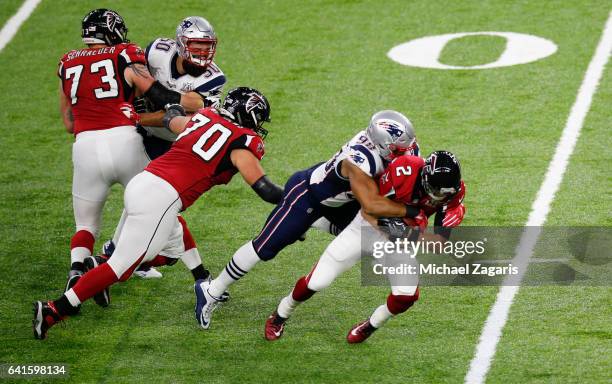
{"points": [[401, 182], [200, 157], [93, 81]]}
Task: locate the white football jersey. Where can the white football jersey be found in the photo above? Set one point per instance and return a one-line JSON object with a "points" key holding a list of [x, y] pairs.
{"points": [[161, 57], [326, 180]]}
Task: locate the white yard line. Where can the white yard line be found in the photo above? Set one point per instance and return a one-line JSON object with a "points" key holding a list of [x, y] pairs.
{"points": [[491, 333], [12, 25]]}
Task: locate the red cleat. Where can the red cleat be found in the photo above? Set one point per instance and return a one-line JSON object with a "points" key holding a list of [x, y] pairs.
{"points": [[275, 325], [360, 332]]}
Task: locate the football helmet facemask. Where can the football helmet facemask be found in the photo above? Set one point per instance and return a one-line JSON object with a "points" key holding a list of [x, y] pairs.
{"points": [[249, 108], [441, 175], [196, 41], [392, 134], [104, 26]]}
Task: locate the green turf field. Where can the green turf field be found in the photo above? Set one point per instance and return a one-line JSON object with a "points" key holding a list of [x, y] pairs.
{"points": [[324, 68]]}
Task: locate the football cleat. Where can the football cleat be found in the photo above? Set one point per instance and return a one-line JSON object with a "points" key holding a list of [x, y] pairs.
{"points": [[45, 316], [275, 325], [101, 298], [73, 276], [225, 296], [205, 303], [108, 248], [146, 272], [360, 332]]}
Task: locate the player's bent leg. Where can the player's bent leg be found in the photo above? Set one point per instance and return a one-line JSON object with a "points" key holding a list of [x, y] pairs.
{"points": [[289, 220], [152, 205], [87, 216], [399, 301], [339, 256]]}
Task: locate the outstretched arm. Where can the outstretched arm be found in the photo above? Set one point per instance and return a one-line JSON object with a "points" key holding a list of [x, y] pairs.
{"points": [[253, 174], [138, 76]]}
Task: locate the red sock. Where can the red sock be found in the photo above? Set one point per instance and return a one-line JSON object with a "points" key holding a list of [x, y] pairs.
{"points": [[94, 281], [188, 241], [301, 292], [83, 239], [160, 261], [401, 303]]}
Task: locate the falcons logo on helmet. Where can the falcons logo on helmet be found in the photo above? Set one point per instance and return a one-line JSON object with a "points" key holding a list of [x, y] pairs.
{"points": [[255, 101], [392, 127], [112, 19]]}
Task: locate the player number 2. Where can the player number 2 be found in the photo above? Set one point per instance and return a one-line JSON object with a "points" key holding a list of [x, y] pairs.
{"points": [[209, 153], [405, 171]]}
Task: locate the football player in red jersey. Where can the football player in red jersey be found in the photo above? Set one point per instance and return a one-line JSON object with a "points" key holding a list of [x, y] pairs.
{"points": [[428, 187], [211, 148], [97, 87]]}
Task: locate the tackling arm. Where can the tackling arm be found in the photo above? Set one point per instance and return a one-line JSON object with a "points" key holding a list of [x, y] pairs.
{"points": [[66, 110], [253, 174], [366, 192], [138, 75]]}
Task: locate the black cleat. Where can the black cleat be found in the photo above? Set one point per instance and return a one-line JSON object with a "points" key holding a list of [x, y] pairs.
{"points": [[73, 276], [45, 316], [101, 298]]}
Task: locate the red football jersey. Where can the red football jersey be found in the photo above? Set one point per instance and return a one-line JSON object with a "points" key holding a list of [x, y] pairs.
{"points": [[93, 81], [399, 180], [199, 159]]}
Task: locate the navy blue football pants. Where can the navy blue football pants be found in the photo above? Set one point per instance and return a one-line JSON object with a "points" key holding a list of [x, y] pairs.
{"points": [[294, 215]]}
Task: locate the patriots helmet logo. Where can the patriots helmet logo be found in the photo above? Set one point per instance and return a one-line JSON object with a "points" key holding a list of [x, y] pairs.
{"points": [[186, 24], [392, 127], [255, 101]]}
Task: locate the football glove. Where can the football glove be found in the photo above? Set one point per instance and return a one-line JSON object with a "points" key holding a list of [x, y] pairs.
{"points": [[394, 227], [454, 216], [143, 105], [130, 113]]}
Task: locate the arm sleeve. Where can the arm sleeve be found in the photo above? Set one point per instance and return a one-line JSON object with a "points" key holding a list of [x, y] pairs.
{"points": [[267, 190]]}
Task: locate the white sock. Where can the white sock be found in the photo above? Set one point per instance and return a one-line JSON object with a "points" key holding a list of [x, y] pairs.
{"points": [[241, 263], [380, 316], [322, 224], [287, 306], [72, 297], [191, 258], [78, 254], [326, 226]]}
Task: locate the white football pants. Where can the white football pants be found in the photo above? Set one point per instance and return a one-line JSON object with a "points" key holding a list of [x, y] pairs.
{"points": [[101, 159], [344, 252], [152, 206]]}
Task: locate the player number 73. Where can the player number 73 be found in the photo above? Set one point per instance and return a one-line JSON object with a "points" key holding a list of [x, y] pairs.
{"points": [[108, 78]]}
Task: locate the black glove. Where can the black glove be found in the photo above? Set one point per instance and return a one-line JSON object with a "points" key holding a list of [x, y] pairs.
{"points": [[394, 227], [142, 105]]}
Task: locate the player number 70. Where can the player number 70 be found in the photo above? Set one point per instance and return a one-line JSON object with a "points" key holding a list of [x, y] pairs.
{"points": [[198, 148]]}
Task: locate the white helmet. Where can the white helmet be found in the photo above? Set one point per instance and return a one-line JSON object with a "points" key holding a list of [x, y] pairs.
{"points": [[392, 133], [196, 29]]}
